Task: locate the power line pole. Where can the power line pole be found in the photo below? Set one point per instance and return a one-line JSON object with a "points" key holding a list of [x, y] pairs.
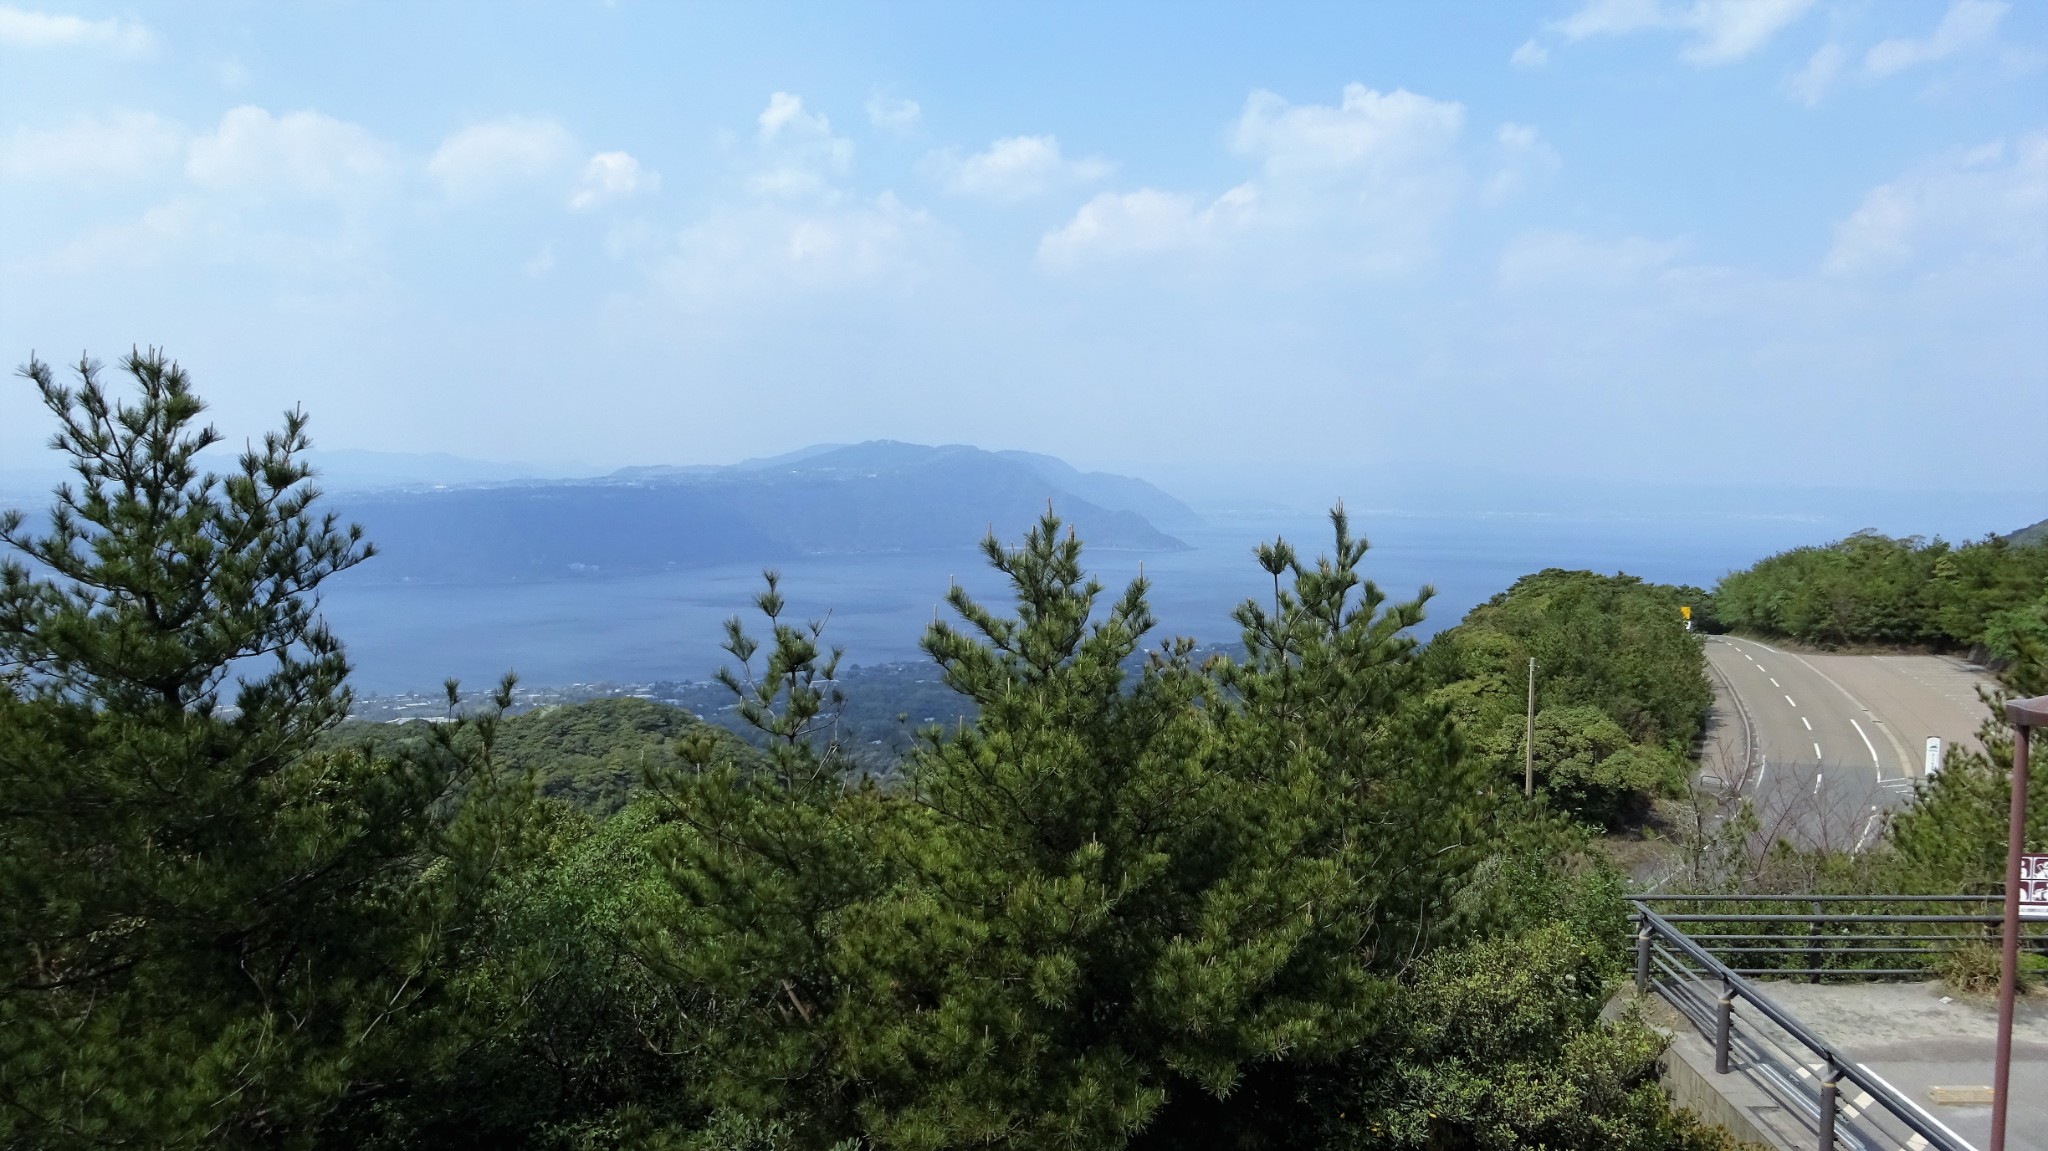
{"points": [[1529, 739]]}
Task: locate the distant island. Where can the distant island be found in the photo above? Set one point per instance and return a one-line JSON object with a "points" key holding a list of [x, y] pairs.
{"points": [[832, 499]]}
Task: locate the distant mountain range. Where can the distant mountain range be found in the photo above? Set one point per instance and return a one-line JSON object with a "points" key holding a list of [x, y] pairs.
{"points": [[2032, 534], [832, 499]]}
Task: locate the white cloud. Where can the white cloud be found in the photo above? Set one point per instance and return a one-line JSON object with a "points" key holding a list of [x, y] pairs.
{"points": [[1017, 168], [278, 243], [1524, 159], [772, 249], [803, 156], [1967, 22], [1371, 176], [1119, 224], [798, 230], [1369, 138], [486, 158], [300, 153], [1986, 208], [1549, 260], [892, 114], [1728, 30], [785, 114], [1812, 82], [1723, 31], [1530, 55], [94, 149], [1358, 186], [21, 28], [1615, 18], [136, 243], [611, 176]]}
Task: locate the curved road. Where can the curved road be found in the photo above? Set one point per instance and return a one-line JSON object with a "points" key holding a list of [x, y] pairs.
{"points": [[1826, 744]]}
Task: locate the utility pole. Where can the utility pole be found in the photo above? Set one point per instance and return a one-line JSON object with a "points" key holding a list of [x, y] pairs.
{"points": [[2024, 715], [1529, 739]]}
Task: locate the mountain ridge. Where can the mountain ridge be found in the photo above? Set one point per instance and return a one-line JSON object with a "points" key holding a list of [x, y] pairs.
{"points": [[878, 497]]}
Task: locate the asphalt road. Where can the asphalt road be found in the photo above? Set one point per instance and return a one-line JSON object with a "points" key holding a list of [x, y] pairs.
{"points": [[1826, 744]]}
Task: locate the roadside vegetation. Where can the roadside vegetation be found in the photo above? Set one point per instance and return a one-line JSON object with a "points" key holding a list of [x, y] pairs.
{"points": [[1289, 897], [1988, 597]]}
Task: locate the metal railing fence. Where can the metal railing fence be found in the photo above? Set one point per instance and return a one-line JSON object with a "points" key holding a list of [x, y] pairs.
{"points": [[1753, 1035], [1841, 936]]}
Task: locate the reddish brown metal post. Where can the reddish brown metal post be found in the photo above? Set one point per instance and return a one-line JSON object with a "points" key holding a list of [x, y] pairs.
{"points": [[2025, 715]]}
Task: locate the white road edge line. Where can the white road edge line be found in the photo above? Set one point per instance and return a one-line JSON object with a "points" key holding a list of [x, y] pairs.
{"points": [[1763, 765], [1750, 750], [1875, 762], [1914, 1104], [1869, 825], [1905, 761]]}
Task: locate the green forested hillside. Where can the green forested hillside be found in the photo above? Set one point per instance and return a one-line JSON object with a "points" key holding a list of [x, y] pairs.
{"points": [[2036, 533], [1270, 900], [1621, 687], [1872, 589]]}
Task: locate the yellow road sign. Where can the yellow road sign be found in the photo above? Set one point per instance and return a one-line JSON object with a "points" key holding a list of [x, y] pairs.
{"points": [[1686, 612]]}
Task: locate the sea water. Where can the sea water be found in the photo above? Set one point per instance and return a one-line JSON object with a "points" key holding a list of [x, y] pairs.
{"points": [[668, 625]]}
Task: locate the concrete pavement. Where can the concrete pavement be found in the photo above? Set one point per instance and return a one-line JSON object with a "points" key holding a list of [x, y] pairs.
{"points": [[1918, 1037]]}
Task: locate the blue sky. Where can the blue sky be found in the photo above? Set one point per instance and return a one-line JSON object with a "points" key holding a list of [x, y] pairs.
{"points": [[1639, 241]]}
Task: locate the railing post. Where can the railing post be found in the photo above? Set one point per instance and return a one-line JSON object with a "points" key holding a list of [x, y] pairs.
{"points": [[1813, 945], [1723, 1025], [1643, 959], [1830, 1092]]}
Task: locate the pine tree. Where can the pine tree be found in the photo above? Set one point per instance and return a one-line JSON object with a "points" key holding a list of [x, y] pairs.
{"points": [[760, 855], [1138, 886], [204, 924]]}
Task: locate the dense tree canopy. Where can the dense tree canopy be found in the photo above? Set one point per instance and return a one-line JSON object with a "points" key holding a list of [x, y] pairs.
{"points": [[1621, 687], [1872, 589]]}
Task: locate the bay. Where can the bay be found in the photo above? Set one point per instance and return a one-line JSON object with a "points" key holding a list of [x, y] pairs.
{"points": [[668, 625]]}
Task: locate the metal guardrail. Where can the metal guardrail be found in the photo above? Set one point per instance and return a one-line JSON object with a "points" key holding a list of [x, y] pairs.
{"points": [[1823, 943], [1803, 1072]]}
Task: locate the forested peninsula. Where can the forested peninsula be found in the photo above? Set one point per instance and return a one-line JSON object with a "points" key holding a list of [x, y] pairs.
{"points": [[1290, 895]]}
